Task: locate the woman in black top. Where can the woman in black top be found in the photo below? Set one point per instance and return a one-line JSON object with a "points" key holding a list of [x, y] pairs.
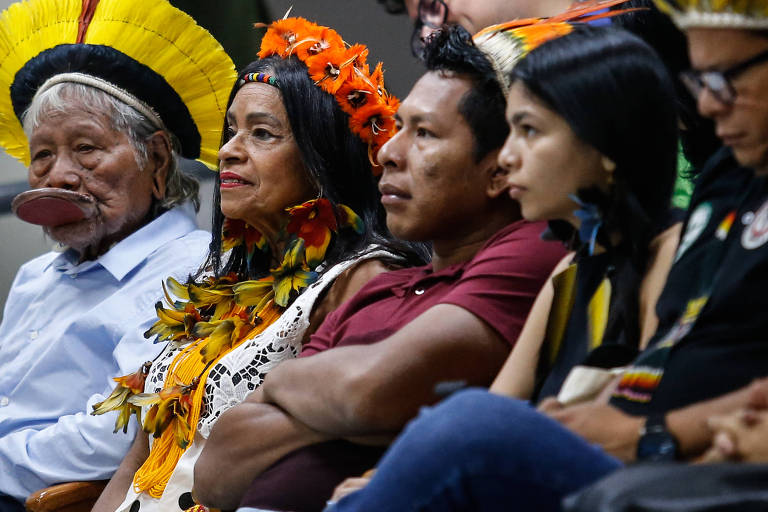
{"points": [[592, 149]]}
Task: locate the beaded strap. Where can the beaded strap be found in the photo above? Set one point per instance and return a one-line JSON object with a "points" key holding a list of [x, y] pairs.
{"points": [[259, 77]]}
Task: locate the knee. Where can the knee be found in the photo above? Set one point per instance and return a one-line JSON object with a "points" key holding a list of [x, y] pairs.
{"points": [[465, 419]]}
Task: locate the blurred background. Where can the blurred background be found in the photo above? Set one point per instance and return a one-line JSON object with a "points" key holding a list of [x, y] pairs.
{"points": [[364, 21]]}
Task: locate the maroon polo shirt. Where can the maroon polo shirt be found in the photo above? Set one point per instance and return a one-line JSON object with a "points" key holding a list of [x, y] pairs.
{"points": [[498, 285]]}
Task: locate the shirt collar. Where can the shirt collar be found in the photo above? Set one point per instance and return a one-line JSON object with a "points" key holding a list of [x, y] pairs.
{"points": [[129, 252]]}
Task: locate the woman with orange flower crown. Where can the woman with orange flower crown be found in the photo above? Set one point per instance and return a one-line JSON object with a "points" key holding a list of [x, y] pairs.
{"points": [[298, 228]]}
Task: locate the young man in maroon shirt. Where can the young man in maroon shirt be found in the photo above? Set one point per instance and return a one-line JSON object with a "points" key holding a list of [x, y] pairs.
{"points": [[411, 333]]}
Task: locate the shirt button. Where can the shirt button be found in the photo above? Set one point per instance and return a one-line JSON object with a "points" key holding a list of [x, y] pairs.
{"points": [[33, 334], [4, 401], [420, 291]]}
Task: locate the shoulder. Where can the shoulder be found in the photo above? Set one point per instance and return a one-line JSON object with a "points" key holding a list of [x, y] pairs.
{"points": [[564, 263], [521, 236], [722, 173], [667, 239], [197, 240], [181, 255], [34, 270], [351, 281], [517, 247], [38, 264]]}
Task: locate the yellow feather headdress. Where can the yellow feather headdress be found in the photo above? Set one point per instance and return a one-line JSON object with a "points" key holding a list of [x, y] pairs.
{"points": [[506, 43], [151, 51], [740, 14]]}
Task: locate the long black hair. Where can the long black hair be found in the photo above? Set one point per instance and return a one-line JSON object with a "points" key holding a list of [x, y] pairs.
{"points": [[697, 135], [336, 162], [616, 95]]}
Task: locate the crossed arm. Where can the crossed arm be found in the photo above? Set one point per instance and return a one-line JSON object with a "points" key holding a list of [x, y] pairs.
{"points": [[345, 392]]}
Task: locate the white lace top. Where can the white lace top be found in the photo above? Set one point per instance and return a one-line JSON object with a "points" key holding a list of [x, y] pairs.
{"points": [[241, 371], [233, 377]]}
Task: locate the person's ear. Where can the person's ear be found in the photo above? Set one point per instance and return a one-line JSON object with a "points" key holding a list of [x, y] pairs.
{"points": [[160, 161], [496, 183]]}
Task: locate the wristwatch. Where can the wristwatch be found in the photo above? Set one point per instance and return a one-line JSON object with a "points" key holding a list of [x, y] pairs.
{"points": [[656, 443]]}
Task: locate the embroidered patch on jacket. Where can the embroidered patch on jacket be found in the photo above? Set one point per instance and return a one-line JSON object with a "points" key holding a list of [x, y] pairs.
{"points": [[756, 234], [696, 224]]}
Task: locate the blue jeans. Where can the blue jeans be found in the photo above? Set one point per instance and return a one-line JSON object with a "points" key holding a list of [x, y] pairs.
{"points": [[481, 452]]}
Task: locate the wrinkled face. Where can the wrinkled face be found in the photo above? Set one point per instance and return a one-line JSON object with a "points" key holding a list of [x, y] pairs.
{"points": [[545, 160], [81, 152], [432, 188], [743, 126], [261, 170]]}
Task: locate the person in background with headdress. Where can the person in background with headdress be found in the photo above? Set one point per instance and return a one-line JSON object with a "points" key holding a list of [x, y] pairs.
{"points": [[99, 106], [298, 228], [473, 15]]}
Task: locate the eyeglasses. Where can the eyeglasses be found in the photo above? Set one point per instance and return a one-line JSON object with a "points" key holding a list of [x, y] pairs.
{"points": [[719, 82], [432, 15]]}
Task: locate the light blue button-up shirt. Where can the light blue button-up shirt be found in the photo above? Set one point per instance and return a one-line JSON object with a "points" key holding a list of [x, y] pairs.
{"points": [[67, 330]]}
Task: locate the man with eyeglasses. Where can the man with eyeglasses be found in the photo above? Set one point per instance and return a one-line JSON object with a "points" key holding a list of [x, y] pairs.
{"points": [[723, 253], [473, 15]]}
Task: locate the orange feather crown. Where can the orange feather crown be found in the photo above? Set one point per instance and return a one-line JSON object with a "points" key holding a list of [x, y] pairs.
{"points": [[340, 70]]}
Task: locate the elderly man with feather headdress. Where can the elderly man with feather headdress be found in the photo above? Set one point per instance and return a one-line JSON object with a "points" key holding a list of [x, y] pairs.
{"points": [[98, 99]]}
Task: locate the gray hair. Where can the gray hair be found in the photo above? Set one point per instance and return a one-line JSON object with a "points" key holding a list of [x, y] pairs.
{"points": [[67, 97]]}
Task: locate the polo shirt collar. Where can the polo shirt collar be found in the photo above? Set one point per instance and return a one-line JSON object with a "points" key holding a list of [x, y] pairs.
{"points": [[131, 251]]}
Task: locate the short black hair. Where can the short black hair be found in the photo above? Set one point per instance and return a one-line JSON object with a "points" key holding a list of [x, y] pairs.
{"points": [[451, 49]]}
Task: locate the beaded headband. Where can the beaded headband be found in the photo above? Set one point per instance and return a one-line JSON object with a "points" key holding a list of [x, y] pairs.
{"points": [[338, 69], [103, 85], [258, 77], [739, 14]]}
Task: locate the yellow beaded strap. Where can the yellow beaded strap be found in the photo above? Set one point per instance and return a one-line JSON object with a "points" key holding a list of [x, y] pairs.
{"points": [[188, 366]]}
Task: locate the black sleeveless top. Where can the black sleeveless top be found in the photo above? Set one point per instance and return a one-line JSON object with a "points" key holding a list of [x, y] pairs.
{"points": [[722, 259], [582, 341]]}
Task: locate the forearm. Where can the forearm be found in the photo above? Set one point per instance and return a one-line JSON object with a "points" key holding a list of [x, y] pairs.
{"points": [[618, 433], [253, 435], [114, 494], [77, 447], [330, 407], [372, 390]]}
